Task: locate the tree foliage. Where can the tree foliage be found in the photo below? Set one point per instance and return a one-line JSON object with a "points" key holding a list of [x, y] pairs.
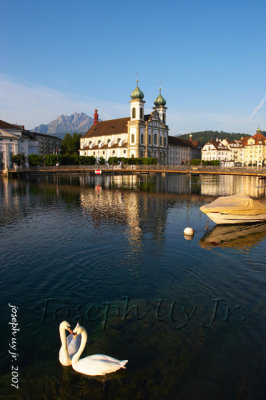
{"points": [[71, 143], [18, 159], [35, 160], [132, 160], [204, 136]]}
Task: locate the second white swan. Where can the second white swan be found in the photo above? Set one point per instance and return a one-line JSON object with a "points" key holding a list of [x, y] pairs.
{"points": [[70, 344], [97, 364]]}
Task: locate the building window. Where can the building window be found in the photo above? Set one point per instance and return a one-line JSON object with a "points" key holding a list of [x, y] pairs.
{"points": [[149, 139], [113, 151], [133, 112], [125, 151], [161, 140], [141, 138], [164, 118], [132, 138], [155, 138], [141, 113], [164, 141], [103, 152]]}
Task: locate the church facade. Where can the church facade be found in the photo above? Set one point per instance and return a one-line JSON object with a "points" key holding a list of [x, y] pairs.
{"points": [[140, 135]]}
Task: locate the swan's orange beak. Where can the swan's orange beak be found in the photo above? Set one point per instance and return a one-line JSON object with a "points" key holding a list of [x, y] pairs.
{"points": [[72, 333]]}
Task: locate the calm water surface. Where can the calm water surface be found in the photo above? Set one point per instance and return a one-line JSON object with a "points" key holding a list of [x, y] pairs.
{"points": [[189, 315]]}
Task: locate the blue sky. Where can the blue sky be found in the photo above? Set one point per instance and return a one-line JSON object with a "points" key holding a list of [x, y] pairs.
{"points": [[60, 57]]}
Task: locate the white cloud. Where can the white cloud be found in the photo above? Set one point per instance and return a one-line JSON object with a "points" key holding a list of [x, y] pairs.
{"points": [[32, 105], [258, 107]]}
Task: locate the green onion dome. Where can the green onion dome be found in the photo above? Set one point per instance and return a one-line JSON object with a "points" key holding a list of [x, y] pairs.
{"points": [[137, 93], [160, 101]]}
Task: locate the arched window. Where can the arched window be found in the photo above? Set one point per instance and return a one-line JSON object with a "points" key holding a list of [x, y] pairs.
{"points": [[141, 113], [133, 112], [164, 118]]}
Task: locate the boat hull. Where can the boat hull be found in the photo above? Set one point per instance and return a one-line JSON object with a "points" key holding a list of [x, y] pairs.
{"points": [[222, 218]]}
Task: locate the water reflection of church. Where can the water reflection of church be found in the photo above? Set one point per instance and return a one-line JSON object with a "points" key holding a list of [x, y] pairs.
{"points": [[141, 212]]}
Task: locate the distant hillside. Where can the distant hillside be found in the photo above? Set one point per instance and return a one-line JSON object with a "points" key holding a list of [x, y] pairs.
{"points": [[204, 136], [77, 122]]}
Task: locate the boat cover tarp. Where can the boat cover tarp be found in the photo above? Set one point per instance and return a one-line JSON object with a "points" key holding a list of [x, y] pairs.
{"points": [[235, 205]]}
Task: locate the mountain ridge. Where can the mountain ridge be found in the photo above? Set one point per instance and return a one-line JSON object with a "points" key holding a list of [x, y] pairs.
{"points": [[74, 123]]}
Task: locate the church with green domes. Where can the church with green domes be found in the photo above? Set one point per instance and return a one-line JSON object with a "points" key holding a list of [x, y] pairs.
{"points": [[140, 135]]}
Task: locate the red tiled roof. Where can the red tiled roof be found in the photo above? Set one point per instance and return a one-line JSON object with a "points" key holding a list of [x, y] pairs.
{"points": [[217, 145], [174, 140], [195, 143], [259, 136], [7, 125], [110, 127]]}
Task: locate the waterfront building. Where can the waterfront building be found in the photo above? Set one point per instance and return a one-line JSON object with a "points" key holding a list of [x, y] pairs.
{"points": [[255, 149], [49, 144], [249, 151], [216, 150], [237, 148], [140, 135], [181, 151], [14, 140]]}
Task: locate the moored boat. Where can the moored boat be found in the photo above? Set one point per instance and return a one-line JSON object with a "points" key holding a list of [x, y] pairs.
{"points": [[238, 209]]}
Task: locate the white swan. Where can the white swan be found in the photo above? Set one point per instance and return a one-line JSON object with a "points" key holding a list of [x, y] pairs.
{"points": [[97, 364], [70, 344]]}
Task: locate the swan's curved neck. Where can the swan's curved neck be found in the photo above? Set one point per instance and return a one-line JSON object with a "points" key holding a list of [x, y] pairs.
{"points": [[63, 338], [81, 347]]}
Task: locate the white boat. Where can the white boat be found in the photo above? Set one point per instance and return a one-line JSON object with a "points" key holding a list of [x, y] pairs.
{"points": [[238, 209]]}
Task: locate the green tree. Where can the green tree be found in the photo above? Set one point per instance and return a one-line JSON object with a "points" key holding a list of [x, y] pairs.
{"points": [[71, 144], [35, 160], [18, 159], [76, 142]]}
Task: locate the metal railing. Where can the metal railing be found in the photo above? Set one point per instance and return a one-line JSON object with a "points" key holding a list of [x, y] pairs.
{"points": [[157, 167]]}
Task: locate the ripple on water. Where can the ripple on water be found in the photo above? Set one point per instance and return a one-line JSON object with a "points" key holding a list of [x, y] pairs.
{"points": [[81, 248]]}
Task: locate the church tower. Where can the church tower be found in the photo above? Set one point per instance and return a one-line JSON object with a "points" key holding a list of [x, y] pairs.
{"points": [[160, 103], [137, 104], [136, 125]]}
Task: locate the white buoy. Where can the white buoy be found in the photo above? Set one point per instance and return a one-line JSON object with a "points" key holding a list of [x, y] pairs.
{"points": [[188, 231]]}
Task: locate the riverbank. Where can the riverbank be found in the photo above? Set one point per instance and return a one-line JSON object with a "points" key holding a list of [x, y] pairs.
{"points": [[138, 169]]}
